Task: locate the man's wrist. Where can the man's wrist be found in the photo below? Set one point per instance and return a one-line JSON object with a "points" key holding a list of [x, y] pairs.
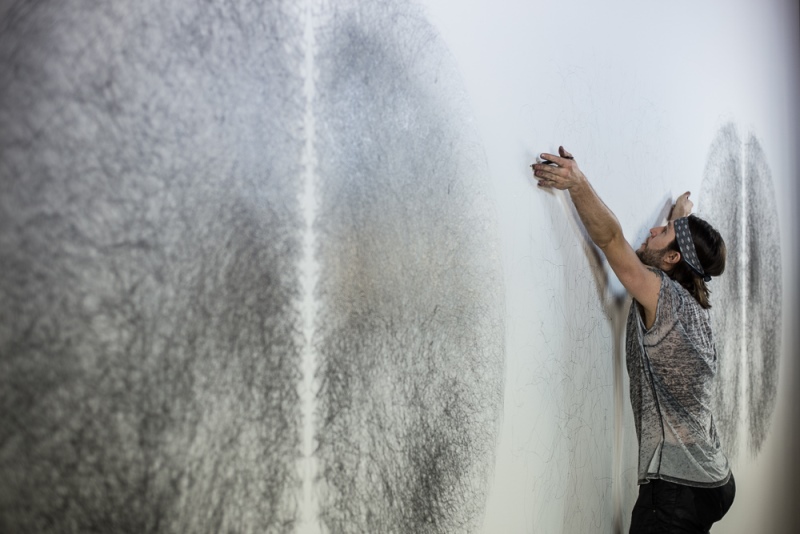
{"points": [[580, 187], [673, 216]]}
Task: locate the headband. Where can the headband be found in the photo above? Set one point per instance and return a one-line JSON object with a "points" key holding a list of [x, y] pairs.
{"points": [[686, 245]]}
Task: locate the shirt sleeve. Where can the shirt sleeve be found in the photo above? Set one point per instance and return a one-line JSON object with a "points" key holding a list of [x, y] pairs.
{"points": [[666, 311]]}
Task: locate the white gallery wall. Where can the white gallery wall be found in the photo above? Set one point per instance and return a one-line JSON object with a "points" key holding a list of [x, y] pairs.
{"points": [[281, 266], [638, 92]]}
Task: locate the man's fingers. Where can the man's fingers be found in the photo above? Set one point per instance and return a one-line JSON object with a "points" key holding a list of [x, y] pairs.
{"points": [[558, 160], [549, 175], [542, 174], [547, 171]]}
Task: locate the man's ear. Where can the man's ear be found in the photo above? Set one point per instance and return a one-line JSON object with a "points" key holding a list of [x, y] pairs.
{"points": [[672, 258]]}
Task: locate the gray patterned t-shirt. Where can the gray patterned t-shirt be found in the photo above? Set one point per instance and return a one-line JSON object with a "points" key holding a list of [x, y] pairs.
{"points": [[672, 368]]}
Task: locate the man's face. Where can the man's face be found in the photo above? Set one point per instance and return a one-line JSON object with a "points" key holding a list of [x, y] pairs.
{"points": [[652, 251]]}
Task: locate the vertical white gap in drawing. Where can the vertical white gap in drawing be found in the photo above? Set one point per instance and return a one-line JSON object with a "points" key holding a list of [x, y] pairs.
{"points": [[742, 274], [309, 275]]}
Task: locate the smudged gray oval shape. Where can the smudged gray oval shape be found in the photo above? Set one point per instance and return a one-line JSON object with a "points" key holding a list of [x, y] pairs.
{"points": [[410, 329], [148, 241], [764, 325], [739, 199]]}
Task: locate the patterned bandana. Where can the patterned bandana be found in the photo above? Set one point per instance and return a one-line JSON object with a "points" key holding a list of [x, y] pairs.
{"points": [[686, 244]]}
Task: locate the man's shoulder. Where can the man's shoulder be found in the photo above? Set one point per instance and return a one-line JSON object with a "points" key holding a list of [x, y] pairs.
{"points": [[687, 308], [674, 286]]}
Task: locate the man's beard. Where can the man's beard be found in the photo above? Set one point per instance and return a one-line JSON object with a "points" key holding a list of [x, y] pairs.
{"points": [[652, 257]]}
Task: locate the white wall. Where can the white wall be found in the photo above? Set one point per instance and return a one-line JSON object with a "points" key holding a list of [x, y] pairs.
{"points": [[637, 91]]}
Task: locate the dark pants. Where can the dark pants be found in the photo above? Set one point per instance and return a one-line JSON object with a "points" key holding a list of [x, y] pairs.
{"points": [[667, 508]]}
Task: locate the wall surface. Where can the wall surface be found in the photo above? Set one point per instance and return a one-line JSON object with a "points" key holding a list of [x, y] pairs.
{"points": [[645, 96], [280, 266]]}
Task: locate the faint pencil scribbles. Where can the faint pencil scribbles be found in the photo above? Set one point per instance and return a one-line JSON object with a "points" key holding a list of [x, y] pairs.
{"points": [[579, 374]]}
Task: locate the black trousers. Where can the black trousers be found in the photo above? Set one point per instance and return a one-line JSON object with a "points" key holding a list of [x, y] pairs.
{"points": [[669, 508]]}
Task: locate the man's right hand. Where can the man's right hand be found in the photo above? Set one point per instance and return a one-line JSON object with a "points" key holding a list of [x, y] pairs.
{"points": [[682, 208]]}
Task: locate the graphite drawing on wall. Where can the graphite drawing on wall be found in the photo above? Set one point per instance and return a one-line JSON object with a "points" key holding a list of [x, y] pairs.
{"points": [[410, 324], [739, 196], [151, 228], [149, 241]]}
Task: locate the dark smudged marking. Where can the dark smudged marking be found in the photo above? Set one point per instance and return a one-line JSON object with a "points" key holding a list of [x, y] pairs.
{"points": [[759, 329], [148, 242], [721, 204], [410, 331], [764, 293]]}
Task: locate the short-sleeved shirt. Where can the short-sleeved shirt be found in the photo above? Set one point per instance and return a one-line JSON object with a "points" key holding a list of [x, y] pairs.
{"points": [[672, 367]]}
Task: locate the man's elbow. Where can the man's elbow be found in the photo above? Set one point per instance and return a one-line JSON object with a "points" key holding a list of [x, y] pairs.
{"points": [[610, 241]]}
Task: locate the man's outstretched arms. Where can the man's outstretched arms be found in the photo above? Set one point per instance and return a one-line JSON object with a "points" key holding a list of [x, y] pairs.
{"points": [[603, 228]]}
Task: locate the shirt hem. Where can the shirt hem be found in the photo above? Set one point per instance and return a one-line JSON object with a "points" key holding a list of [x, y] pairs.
{"points": [[684, 482]]}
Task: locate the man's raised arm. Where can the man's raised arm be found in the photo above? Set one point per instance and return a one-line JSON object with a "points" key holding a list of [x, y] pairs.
{"points": [[603, 228]]}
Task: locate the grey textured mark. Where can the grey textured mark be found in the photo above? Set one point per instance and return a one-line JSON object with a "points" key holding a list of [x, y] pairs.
{"points": [[764, 325], [738, 198], [148, 242], [410, 332], [721, 205]]}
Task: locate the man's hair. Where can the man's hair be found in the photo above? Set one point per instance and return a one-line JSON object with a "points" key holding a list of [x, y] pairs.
{"points": [[711, 253]]}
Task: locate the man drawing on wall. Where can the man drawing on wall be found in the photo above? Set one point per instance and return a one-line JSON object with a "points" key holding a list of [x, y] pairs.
{"points": [[685, 481]]}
